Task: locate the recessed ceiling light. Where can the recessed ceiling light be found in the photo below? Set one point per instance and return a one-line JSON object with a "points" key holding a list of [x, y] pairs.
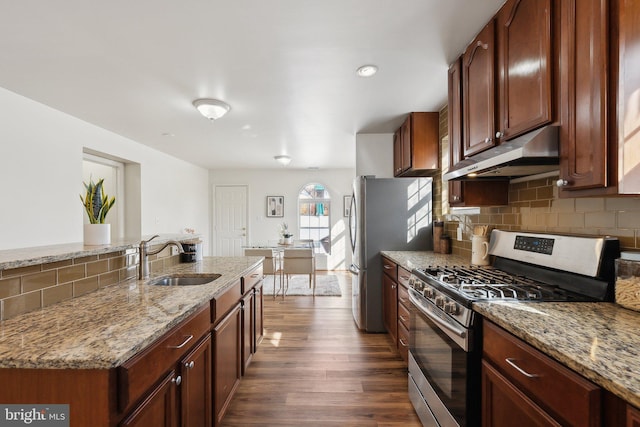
{"points": [[367, 70]]}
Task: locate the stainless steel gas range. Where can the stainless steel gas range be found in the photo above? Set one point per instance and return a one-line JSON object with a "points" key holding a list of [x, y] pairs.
{"points": [[445, 338]]}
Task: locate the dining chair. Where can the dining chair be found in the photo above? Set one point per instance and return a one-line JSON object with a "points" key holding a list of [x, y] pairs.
{"points": [[270, 266], [299, 261]]}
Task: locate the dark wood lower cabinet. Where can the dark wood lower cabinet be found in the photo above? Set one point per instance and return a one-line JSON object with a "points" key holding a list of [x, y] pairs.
{"points": [[633, 417], [227, 357], [195, 390], [503, 403], [159, 408]]}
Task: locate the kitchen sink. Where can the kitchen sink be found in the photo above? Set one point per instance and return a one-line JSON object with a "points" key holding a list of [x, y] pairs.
{"points": [[184, 280]]}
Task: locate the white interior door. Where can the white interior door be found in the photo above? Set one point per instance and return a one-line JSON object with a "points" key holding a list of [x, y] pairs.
{"points": [[230, 219]]}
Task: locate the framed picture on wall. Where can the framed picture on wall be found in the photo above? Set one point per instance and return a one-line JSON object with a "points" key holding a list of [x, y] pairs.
{"points": [[275, 206], [347, 205]]}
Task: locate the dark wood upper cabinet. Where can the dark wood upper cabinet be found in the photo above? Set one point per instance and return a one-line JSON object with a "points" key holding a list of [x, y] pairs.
{"points": [[525, 66], [478, 74], [415, 146], [455, 127], [587, 153], [628, 138]]}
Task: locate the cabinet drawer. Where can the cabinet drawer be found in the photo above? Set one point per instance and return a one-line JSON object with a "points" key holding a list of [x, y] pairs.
{"points": [[390, 268], [223, 303], [403, 277], [403, 341], [250, 280], [142, 371], [560, 391], [403, 314], [403, 296]]}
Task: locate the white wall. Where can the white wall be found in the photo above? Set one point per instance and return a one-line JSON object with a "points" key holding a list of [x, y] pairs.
{"points": [[288, 183], [41, 178], [374, 154]]}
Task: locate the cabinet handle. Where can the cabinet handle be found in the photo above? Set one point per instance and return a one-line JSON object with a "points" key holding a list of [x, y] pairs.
{"points": [[511, 362], [387, 267], [402, 343], [393, 286], [562, 183], [177, 380], [189, 338], [189, 365], [403, 319], [405, 277]]}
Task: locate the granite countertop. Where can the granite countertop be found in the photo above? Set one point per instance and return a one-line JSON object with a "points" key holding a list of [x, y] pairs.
{"points": [[414, 259], [103, 329], [23, 257], [600, 341]]}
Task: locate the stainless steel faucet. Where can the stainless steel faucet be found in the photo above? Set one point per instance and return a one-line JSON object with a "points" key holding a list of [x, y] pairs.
{"points": [[143, 271]]}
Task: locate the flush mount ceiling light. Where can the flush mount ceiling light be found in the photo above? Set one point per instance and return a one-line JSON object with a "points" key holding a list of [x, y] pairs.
{"points": [[283, 160], [212, 109], [367, 70]]}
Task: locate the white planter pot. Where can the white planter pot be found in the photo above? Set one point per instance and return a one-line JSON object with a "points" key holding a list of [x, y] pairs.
{"points": [[287, 240], [97, 234]]}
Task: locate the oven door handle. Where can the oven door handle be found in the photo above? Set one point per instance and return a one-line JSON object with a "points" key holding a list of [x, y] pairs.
{"points": [[458, 332]]}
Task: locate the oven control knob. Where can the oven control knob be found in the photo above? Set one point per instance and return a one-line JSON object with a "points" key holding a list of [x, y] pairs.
{"points": [[439, 301], [451, 308], [428, 293]]}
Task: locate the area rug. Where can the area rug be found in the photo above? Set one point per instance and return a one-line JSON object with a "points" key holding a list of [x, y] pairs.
{"points": [[326, 285]]}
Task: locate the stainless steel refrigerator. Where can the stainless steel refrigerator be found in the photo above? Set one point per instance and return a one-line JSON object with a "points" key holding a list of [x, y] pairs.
{"points": [[392, 214]]}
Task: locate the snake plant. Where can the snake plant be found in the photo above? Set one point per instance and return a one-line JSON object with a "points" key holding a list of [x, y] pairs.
{"points": [[96, 202]]}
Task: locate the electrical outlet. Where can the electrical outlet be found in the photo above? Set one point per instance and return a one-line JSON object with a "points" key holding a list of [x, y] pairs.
{"points": [[174, 250]]}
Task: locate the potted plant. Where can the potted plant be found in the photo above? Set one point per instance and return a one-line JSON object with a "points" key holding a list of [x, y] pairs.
{"points": [[286, 238], [97, 204]]}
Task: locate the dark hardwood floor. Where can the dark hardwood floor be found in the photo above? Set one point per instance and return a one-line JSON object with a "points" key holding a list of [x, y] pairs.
{"points": [[315, 368]]}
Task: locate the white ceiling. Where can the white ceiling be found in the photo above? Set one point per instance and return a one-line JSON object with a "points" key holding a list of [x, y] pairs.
{"points": [[286, 67]]}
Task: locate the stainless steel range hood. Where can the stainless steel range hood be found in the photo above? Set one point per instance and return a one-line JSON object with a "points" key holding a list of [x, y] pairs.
{"points": [[532, 153]]}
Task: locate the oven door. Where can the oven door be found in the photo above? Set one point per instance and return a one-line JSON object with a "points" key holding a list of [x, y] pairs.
{"points": [[444, 365]]}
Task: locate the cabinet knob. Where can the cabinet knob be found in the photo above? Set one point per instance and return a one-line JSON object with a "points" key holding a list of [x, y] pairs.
{"points": [[562, 182], [456, 197], [487, 140], [189, 365], [499, 135], [177, 380]]}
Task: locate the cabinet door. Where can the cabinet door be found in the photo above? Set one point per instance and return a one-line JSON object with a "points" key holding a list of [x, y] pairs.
{"points": [[407, 150], [455, 127], [226, 361], [524, 66], [503, 403], [628, 89], [633, 417], [247, 330], [390, 306], [196, 385], [584, 134], [158, 409], [259, 315], [397, 152], [478, 97]]}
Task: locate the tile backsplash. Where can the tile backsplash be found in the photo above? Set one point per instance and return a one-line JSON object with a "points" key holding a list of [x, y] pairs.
{"points": [[535, 206], [24, 289]]}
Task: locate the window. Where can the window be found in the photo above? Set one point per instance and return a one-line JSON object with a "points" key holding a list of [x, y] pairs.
{"points": [[314, 210]]}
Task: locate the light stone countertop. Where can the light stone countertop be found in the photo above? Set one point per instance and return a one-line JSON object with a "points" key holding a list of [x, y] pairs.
{"points": [[600, 341], [414, 259], [23, 257], [103, 329]]}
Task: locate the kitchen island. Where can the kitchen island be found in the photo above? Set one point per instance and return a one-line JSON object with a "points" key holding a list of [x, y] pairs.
{"points": [[135, 353]]}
